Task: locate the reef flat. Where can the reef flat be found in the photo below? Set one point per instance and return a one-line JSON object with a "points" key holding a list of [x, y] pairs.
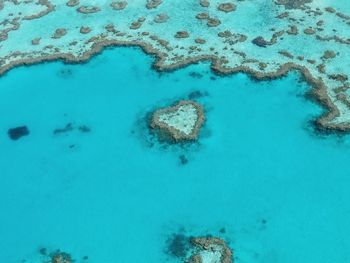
{"points": [[263, 38]]}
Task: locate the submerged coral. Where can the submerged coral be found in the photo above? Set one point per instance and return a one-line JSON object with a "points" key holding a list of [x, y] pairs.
{"points": [[18, 132]]}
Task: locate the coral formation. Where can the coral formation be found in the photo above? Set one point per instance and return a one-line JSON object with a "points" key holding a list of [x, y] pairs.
{"points": [[210, 250], [227, 7], [60, 257], [181, 122], [202, 249], [119, 5]]}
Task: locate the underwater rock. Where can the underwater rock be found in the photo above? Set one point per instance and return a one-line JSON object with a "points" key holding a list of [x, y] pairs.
{"points": [[328, 54], [85, 30], [135, 25], [293, 30], [88, 9], [283, 15], [110, 28], [200, 41], [182, 34], [286, 54], [321, 68], [227, 7], [3, 36], [330, 9], [119, 5], [204, 3], [181, 122], [153, 4], [72, 3], [339, 77], [293, 4], [161, 18], [309, 31], [225, 34], [36, 41], [18, 132], [60, 32], [213, 22], [201, 16], [260, 41]]}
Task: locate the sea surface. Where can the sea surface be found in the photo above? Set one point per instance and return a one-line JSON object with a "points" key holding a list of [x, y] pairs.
{"points": [[260, 176]]}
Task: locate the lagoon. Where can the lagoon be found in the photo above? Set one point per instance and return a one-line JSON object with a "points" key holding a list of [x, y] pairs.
{"points": [[115, 194]]}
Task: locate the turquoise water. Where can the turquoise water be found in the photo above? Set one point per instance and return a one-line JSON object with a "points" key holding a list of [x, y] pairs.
{"points": [[115, 195]]}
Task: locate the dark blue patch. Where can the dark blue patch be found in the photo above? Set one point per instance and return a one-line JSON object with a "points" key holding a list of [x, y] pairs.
{"points": [[18, 132]]}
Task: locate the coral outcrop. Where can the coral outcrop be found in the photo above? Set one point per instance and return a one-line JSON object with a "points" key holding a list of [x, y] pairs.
{"points": [[181, 122]]}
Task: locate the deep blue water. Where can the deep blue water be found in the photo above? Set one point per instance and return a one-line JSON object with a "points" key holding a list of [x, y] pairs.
{"points": [[116, 195]]}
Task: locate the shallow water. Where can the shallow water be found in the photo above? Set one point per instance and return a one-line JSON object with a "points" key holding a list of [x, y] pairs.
{"points": [[114, 195]]}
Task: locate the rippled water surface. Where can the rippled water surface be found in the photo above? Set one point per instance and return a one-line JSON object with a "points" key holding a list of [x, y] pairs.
{"points": [[107, 190]]}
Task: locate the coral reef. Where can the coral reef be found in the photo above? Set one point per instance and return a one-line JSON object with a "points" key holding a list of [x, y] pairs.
{"points": [[210, 250], [202, 249], [181, 122], [60, 257], [266, 45]]}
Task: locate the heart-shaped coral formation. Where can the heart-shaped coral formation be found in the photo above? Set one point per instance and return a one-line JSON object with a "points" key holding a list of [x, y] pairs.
{"points": [[181, 122]]}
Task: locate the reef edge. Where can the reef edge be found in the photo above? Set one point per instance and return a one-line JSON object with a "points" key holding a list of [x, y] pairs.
{"points": [[318, 88]]}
